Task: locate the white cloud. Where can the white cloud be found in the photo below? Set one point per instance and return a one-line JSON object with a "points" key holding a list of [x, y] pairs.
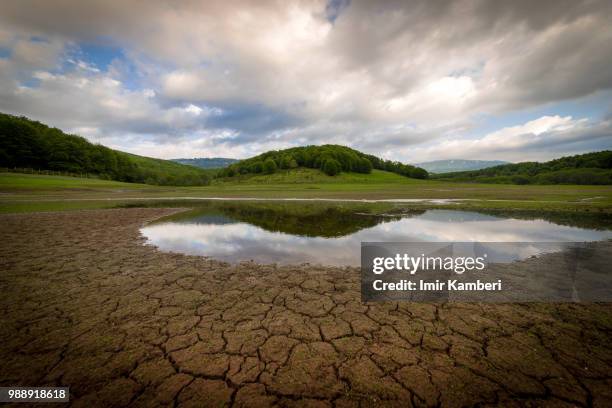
{"points": [[93, 100], [383, 76], [195, 110], [539, 139]]}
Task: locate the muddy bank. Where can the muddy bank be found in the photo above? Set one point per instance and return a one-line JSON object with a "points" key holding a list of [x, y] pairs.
{"points": [[86, 305]]}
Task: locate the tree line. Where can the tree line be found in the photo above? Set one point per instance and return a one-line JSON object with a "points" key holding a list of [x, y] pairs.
{"points": [[589, 168], [331, 159], [26, 143]]}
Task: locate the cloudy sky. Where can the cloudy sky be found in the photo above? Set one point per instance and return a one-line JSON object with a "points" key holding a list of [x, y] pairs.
{"points": [[407, 80]]}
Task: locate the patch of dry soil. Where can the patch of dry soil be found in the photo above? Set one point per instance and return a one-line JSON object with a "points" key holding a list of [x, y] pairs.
{"points": [[85, 304]]}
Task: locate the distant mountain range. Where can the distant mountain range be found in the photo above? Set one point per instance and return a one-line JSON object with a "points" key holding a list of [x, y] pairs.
{"points": [[448, 166], [437, 166], [207, 162]]}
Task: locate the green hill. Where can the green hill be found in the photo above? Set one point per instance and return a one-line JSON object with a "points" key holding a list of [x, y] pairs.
{"points": [[26, 143], [330, 159], [589, 168]]}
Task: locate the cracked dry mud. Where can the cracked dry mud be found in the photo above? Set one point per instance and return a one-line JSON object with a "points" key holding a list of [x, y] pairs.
{"points": [[85, 304]]}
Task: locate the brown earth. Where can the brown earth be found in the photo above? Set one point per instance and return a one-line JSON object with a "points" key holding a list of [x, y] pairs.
{"points": [[85, 304]]}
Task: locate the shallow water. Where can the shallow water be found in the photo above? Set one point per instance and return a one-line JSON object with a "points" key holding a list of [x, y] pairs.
{"points": [[333, 237]]}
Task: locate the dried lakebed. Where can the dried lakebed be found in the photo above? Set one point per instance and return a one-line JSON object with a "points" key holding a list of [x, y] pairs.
{"points": [[85, 304]]}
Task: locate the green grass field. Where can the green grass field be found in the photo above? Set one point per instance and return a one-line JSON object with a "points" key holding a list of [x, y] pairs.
{"points": [[23, 192], [33, 182]]}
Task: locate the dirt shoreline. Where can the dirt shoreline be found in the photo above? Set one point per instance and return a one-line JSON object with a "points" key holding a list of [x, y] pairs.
{"points": [[85, 304]]}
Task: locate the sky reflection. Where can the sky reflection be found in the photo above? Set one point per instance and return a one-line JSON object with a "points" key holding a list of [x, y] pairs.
{"points": [[240, 241]]}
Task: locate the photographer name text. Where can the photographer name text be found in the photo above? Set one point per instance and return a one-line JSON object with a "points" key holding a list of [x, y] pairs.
{"points": [[449, 285]]}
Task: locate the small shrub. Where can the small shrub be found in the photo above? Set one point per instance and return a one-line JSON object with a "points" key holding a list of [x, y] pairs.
{"points": [[269, 166], [520, 180], [331, 167], [256, 167]]}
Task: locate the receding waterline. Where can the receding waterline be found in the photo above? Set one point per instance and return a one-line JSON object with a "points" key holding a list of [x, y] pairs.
{"points": [[334, 239]]}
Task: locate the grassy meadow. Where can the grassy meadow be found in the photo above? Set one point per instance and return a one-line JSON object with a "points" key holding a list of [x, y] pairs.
{"points": [[25, 192]]}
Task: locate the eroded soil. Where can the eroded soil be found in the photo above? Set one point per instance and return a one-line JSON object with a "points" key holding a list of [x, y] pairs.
{"points": [[85, 304]]}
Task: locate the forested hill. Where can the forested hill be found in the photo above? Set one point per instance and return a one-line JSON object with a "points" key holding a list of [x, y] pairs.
{"points": [[331, 159], [26, 143], [589, 168]]}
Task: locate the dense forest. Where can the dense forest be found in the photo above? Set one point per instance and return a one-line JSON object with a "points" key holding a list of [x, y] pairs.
{"points": [[29, 144], [331, 159], [589, 168]]}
